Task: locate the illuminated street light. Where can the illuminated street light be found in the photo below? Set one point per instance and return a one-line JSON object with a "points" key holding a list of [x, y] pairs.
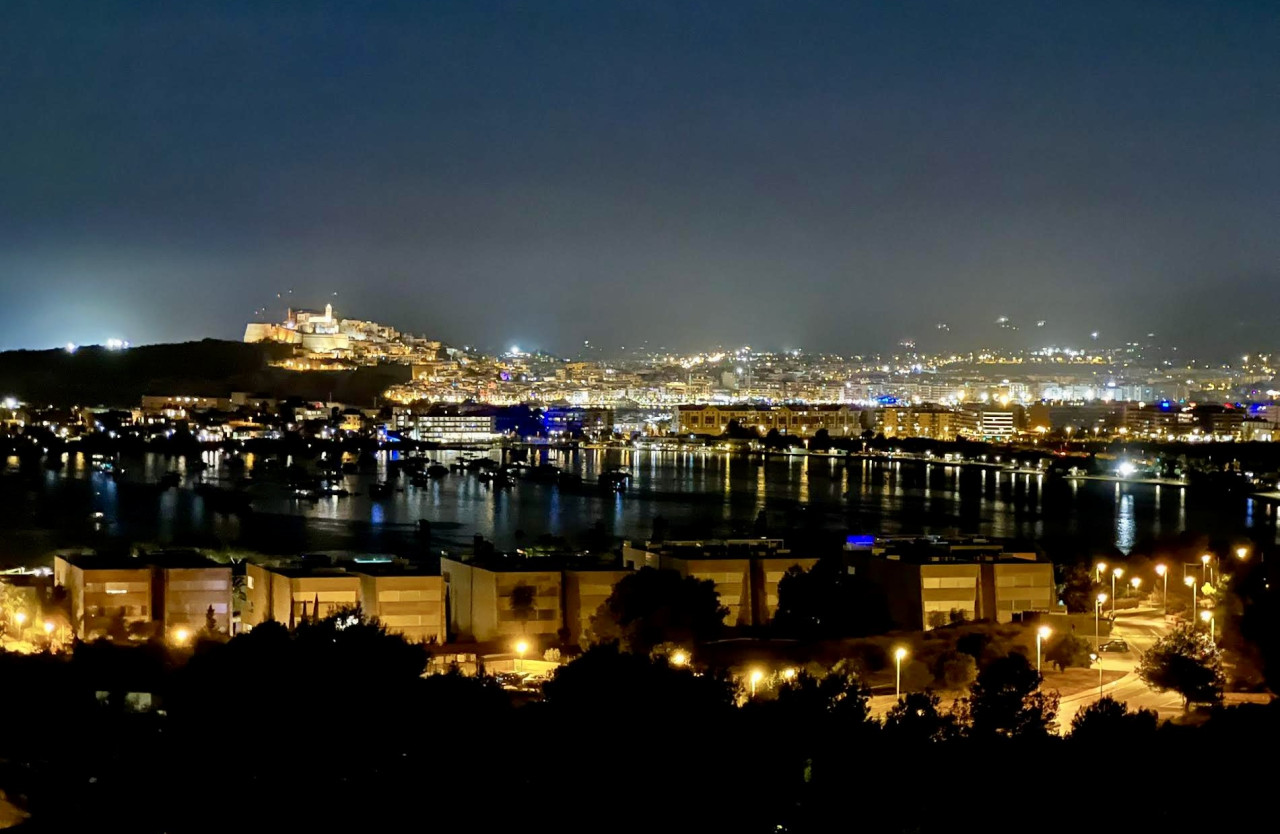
{"points": [[756, 677], [1242, 553], [1204, 567], [48, 627], [20, 618], [1207, 616], [788, 674], [1041, 634], [1115, 574], [898, 655], [1135, 582], [679, 658], [1191, 581], [521, 648], [1163, 573], [1098, 570], [181, 636]]}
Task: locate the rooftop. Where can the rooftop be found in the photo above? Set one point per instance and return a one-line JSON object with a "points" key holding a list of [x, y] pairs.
{"points": [[179, 559]]}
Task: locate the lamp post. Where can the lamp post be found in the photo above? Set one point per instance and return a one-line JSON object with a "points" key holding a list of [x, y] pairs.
{"points": [[1042, 634], [756, 677], [1115, 574], [1242, 553], [898, 655], [521, 648], [20, 619], [1204, 568], [1097, 614], [1098, 570], [1163, 572], [1135, 581], [1191, 580], [1207, 616]]}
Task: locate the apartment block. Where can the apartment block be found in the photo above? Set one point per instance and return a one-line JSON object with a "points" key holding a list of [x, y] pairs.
{"points": [[746, 572], [157, 592], [928, 581]]}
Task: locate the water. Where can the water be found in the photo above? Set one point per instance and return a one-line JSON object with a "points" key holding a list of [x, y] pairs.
{"points": [[699, 494]]}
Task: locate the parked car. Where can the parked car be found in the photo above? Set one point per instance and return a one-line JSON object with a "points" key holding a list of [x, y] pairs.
{"points": [[1116, 645]]}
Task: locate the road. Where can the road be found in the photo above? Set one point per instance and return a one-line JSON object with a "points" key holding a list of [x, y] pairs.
{"points": [[1140, 629]]}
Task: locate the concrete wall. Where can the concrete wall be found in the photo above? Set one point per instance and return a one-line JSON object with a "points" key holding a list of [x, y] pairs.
{"points": [[410, 605], [584, 592], [189, 592]]}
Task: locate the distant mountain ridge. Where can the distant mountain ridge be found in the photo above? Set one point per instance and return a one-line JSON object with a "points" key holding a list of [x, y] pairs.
{"points": [[210, 368]]}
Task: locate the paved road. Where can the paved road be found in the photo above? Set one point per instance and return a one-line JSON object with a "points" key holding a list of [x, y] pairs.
{"points": [[1140, 629]]}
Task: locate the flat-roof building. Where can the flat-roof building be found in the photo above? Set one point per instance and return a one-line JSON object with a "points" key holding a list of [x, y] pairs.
{"points": [[746, 572], [929, 581], [165, 591]]}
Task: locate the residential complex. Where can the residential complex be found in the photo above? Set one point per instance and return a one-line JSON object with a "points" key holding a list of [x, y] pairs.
{"points": [[159, 593], [929, 581]]}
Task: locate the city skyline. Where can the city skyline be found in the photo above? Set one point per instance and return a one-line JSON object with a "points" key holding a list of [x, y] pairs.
{"points": [[838, 177]]}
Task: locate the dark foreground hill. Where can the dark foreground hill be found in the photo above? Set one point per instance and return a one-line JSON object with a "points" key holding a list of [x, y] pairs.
{"points": [[209, 368]]}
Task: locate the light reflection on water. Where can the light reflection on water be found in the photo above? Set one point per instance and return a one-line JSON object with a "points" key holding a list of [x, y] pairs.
{"points": [[699, 494]]}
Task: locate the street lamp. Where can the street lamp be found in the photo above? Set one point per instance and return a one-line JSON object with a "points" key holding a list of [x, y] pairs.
{"points": [[1042, 633], [898, 655], [1097, 612], [1163, 572], [1204, 567], [1098, 570], [1135, 582], [756, 677], [1191, 581], [180, 636], [521, 648], [1207, 616], [1242, 553], [789, 674], [21, 619], [679, 658], [1115, 574], [48, 626]]}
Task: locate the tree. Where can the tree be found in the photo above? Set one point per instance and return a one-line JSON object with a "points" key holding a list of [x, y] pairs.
{"points": [[523, 602], [955, 670], [210, 621], [840, 694], [821, 441], [652, 606], [916, 718], [608, 681], [1108, 721], [826, 601], [1187, 662], [1070, 650], [1006, 700], [1077, 589]]}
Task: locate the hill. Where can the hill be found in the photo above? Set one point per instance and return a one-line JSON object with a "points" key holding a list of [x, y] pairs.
{"points": [[209, 368]]}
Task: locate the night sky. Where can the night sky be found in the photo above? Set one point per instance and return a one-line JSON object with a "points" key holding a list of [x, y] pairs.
{"points": [[833, 176]]}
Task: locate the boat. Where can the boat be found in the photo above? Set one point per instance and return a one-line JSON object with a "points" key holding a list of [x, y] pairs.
{"points": [[435, 470]]}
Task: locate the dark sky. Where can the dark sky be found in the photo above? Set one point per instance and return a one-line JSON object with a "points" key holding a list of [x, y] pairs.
{"points": [[829, 175]]}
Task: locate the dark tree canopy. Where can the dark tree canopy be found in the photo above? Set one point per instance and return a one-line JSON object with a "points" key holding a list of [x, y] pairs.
{"points": [[1107, 721], [652, 606], [1006, 700], [1187, 662], [826, 601]]}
